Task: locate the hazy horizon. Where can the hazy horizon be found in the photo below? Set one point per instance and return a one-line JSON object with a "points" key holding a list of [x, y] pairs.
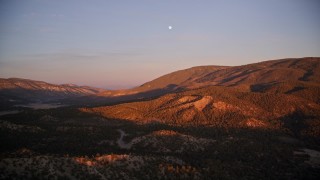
{"points": [[125, 44], [122, 87]]}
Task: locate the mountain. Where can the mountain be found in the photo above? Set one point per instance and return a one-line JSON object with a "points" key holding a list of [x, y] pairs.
{"points": [[32, 85], [284, 70], [17, 91], [167, 83], [292, 75], [281, 94]]}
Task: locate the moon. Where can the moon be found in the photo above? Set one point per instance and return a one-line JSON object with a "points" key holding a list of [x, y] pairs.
{"points": [[169, 27]]}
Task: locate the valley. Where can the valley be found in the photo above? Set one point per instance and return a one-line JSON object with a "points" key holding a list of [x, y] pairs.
{"points": [[256, 121]]}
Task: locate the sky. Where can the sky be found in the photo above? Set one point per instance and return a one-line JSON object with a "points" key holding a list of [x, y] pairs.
{"points": [[124, 43]]}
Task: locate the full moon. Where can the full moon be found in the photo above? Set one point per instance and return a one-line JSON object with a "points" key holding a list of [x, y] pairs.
{"points": [[170, 27]]}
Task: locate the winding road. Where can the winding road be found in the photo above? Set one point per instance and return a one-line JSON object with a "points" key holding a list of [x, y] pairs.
{"points": [[120, 141]]}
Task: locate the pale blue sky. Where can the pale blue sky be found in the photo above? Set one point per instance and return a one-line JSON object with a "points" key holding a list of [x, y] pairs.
{"points": [[119, 44]]}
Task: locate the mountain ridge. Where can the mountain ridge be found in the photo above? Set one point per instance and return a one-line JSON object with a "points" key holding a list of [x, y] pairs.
{"points": [[242, 77], [9, 83], [296, 76], [16, 91]]}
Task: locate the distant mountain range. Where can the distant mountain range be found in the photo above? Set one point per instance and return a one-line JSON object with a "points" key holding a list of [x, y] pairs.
{"points": [[21, 91]]}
